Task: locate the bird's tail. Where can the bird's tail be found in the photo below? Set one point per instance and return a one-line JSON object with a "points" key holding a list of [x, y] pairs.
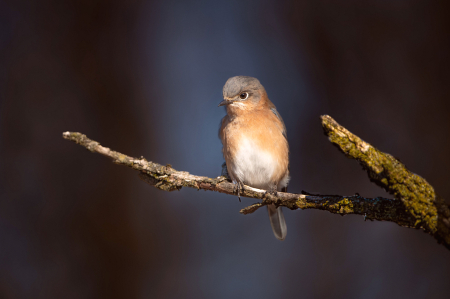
{"points": [[277, 221]]}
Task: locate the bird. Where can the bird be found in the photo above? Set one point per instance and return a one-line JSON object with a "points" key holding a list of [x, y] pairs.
{"points": [[255, 145]]}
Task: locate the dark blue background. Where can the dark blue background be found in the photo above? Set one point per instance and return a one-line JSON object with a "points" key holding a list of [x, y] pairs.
{"points": [[145, 78]]}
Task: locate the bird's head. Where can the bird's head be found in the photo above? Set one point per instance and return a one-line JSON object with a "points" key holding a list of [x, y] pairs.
{"points": [[242, 93]]}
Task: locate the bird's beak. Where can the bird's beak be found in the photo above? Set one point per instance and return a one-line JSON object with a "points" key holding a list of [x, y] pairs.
{"points": [[225, 102]]}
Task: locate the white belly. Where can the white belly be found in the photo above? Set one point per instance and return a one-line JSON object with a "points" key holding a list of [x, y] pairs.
{"points": [[253, 166]]}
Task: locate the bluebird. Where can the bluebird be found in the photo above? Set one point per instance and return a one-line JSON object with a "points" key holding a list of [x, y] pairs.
{"points": [[255, 145]]}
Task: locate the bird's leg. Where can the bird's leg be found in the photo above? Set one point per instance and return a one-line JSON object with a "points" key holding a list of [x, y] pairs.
{"points": [[237, 187], [225, 171], [272, 189]]}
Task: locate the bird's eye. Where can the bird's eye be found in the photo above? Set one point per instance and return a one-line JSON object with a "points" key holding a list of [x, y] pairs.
{"points": [[243, 95]]}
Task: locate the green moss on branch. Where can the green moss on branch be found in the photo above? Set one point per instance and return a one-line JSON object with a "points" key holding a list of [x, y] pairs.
{"points": [[416, 204], [416, 194]]}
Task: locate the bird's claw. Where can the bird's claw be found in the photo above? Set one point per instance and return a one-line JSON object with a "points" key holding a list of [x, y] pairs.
{"points": [[271, 192], [237, 187]]}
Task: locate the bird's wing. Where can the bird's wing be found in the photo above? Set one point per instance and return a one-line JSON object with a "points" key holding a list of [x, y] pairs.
{"points": [[274, 110]]}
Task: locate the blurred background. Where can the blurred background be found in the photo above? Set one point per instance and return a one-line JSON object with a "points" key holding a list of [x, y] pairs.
{"points": [[145, 78]]}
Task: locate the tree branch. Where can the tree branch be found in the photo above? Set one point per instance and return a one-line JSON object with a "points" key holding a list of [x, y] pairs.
{"points": [[415, 206], [420, 201]]}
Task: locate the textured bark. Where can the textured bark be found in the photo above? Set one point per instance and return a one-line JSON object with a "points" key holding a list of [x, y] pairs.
{"points": [[419, 199], [415, 205]]}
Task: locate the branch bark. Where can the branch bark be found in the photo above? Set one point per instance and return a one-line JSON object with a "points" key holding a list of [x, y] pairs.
{"points": [[419, 199], [416, 204]]}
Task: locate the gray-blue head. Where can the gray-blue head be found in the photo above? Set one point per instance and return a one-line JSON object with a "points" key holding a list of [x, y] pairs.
{"points": [[242, 89]]}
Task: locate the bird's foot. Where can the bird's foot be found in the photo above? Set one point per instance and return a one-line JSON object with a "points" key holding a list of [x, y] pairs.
{"points": [[271, 195], [271, 192], [238, 187]]}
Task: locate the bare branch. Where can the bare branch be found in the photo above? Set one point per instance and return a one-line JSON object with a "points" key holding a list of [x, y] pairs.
{"points": [[415, 206]]}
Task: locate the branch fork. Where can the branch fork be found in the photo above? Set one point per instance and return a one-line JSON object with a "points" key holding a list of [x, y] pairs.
{"points": [[415, 205]]}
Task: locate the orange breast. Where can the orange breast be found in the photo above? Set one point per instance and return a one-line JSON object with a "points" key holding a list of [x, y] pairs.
{"points": [[254, 148]]}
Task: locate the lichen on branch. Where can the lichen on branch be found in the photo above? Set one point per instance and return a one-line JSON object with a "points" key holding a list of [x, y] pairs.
{"points": [[417, 195], [415, 205]]}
